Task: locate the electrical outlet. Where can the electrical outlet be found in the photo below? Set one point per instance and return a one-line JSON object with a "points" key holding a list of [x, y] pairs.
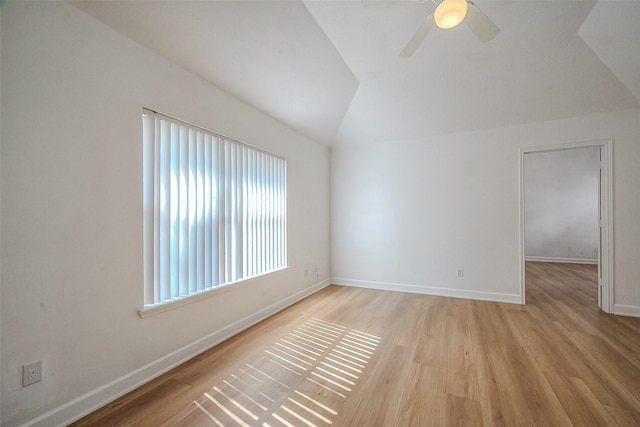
{"points": [[460, 272], [31, 373]]}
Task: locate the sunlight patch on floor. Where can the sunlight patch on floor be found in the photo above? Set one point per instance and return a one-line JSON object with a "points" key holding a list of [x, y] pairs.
{"points": [[300, 380]]}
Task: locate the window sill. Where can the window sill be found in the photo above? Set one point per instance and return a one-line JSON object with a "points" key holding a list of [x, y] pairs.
{"points": [[153, 309]]}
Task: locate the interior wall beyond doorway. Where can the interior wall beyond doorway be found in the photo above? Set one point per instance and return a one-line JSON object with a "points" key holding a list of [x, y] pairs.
{"points": [[561, 205]]}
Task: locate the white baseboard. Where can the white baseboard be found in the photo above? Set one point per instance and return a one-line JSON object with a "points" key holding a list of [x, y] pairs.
{"points": [[626, 310], [563, 260], [89, 402], [430, 290]]}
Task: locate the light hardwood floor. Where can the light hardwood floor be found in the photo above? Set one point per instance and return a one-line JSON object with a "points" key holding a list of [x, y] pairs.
{"points": [[358, 357]]}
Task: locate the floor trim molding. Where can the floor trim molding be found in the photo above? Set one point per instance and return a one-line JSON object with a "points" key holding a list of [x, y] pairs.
{"points": [[430, 290], [563, 260], [89, 402], [626, 310]]}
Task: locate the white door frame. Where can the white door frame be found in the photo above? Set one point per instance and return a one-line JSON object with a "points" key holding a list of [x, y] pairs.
{"points": [[605, 249]]}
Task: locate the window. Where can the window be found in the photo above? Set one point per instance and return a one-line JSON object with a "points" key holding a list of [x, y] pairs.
{"points": [[214, 210]]}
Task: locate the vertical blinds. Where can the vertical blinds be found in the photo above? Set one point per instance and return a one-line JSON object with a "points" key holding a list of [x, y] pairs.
{"points": [[215, 209]]}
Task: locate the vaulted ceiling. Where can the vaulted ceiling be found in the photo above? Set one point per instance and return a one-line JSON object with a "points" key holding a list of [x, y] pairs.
{"points": [[331, 69]]}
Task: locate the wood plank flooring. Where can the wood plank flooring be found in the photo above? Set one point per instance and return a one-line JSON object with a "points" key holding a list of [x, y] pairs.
{"points": [[359, 357]]}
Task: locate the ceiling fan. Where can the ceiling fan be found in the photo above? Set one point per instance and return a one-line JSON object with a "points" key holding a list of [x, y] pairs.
{"points": [[448, 14]]}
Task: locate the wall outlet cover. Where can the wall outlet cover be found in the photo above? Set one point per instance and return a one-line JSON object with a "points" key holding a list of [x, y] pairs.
{"points": [[31, 373]]}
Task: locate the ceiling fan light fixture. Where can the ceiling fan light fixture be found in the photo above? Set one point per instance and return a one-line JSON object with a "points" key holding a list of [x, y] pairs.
{"points": [[450, 13]]}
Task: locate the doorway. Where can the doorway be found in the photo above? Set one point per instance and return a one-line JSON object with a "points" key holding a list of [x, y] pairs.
{"points": [[596, 247]]}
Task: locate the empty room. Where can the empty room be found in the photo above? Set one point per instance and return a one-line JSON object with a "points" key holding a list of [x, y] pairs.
{"points": [[319, 213]]}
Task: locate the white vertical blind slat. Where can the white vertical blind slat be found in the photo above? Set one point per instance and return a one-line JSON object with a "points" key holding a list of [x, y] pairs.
{"points": [[267, 216], [182, 252], [221, 258], [272, 247], [254, 215], [263, 216], [165, 211], [174, 210], [199, 212], [149, 204], [192, 224], [245, 214], [229, 203], [158, 199], [239, 212], [282, 234], [208, 213], [260, 199]]}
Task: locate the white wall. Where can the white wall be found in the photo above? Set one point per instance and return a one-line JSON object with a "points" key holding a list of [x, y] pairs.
{"points": [[0, 218], [561, 205], [407, 214], [72, 278]]}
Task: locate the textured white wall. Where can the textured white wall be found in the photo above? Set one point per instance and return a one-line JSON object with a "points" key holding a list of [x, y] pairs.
{"points": [[561, 204], [407, 215], [72, 278]]}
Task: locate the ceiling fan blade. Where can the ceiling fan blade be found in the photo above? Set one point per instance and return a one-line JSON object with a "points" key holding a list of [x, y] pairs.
{"points": [[480, 24], [418, 36]]}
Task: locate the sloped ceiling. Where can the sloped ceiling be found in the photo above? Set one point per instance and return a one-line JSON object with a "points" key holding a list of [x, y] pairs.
{"points": [[610, 27], [270, 54], [331, 70]]}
